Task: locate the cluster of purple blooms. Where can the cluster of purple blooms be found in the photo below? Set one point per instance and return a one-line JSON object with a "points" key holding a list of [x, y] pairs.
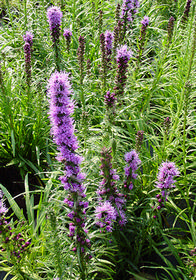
{"points": [[28, 39], [167, 172], [122, 58], [133, 162], [129, 9], [61, 109], [54, 15], [111, 201]]}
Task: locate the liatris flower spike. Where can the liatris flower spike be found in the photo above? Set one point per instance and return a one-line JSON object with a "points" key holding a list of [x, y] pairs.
{"points": [[165, 182], [132, 158], [54, 15], [61, 108], [67, 34], [108, 45], [145, 23], [170, 28], [122, 59], [186, 12], [28, 39], [105, 216], [108, 190]]}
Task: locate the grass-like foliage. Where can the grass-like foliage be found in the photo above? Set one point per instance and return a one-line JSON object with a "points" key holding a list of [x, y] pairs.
{"points": [[97, 119]]}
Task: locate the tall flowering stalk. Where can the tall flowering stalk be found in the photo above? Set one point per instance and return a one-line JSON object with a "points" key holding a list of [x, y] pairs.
{"points": [[28, 39], [133, 162], [145, 23], [55, 15], [165, 182], [111, 201], [81, 53], [61, 109], [103, 59], [122, 59], [67, 34]]}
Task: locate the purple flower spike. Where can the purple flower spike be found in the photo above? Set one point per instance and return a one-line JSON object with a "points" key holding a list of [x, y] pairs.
{"points": [[122, 58], [145, 21], [123, 55], [67, 34], [105, 215], [61, 109], [109, 192], [28, 38], [133, 161], [110, 99], [54, 15], [108, 45], [167, 172]]}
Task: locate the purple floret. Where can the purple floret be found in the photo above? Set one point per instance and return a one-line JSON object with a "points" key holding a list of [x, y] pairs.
{"points": [[28, 38], [167, 172], [67, 34], [105, 215], [123, 54], [145, 21]]}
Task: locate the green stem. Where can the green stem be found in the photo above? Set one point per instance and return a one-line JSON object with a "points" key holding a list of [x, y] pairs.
{"points": [[187, 78], [184, 150]]}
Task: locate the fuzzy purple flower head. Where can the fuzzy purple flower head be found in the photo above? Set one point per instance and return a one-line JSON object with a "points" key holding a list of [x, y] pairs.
{"points": [[132, 158], [67, 34], [110, 99], [145, 21], [108, 40], [105, 215], [28, 38], [123, 54], [167, 172], [54, 15]]}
